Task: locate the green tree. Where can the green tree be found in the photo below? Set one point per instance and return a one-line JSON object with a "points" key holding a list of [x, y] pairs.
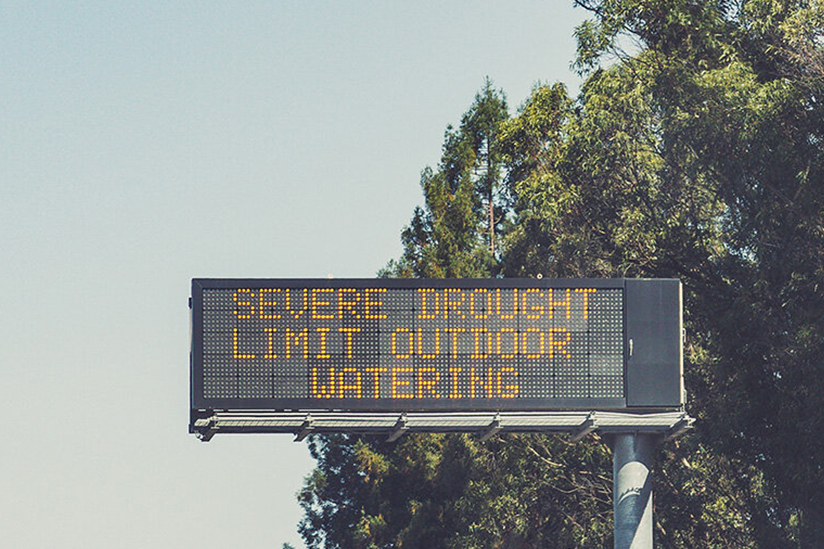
{"points": [[595, 201], [455, 234], [737, 87], [698, 156], [451, 491]]}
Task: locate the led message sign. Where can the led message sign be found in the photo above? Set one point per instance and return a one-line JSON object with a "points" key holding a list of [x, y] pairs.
{"points": [[388, 344]]}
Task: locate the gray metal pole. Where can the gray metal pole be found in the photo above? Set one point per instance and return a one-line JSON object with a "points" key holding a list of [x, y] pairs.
{"points": [[632, 489]]}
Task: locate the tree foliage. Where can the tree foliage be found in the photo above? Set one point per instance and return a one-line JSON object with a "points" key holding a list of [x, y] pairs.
{"points": [[698, 156], [454, 235]]}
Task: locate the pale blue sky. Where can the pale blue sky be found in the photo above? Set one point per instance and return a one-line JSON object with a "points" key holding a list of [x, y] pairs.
{"points": [[146, 144]]}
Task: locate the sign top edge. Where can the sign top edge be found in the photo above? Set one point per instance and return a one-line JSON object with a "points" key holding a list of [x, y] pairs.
{"points": [[400, 283]]}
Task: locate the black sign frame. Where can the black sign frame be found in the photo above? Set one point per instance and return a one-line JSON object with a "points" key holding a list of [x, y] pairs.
{"points": [[653, 355]]}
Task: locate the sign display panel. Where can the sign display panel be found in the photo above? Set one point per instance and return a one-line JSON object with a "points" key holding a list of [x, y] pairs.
{"points": [[417, 345]]}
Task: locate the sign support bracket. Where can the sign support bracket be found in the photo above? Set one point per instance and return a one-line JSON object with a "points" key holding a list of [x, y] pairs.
{"points": [[399, 429], [306, 428], [493, 429], [588, 426]]}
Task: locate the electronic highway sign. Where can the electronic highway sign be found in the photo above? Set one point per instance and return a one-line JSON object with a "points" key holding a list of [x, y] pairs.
{"points": [[436, 344]]}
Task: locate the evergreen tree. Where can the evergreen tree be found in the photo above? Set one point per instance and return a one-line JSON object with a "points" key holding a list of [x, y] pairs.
{"points": [[700, 157], [454, 235]]}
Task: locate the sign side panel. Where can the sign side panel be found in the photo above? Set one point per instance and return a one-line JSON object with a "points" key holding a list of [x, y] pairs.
{"points": [[654, 335]]}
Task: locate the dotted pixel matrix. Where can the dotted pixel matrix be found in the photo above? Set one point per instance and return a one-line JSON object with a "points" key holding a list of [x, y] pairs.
{"points": [[430, 344]]}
